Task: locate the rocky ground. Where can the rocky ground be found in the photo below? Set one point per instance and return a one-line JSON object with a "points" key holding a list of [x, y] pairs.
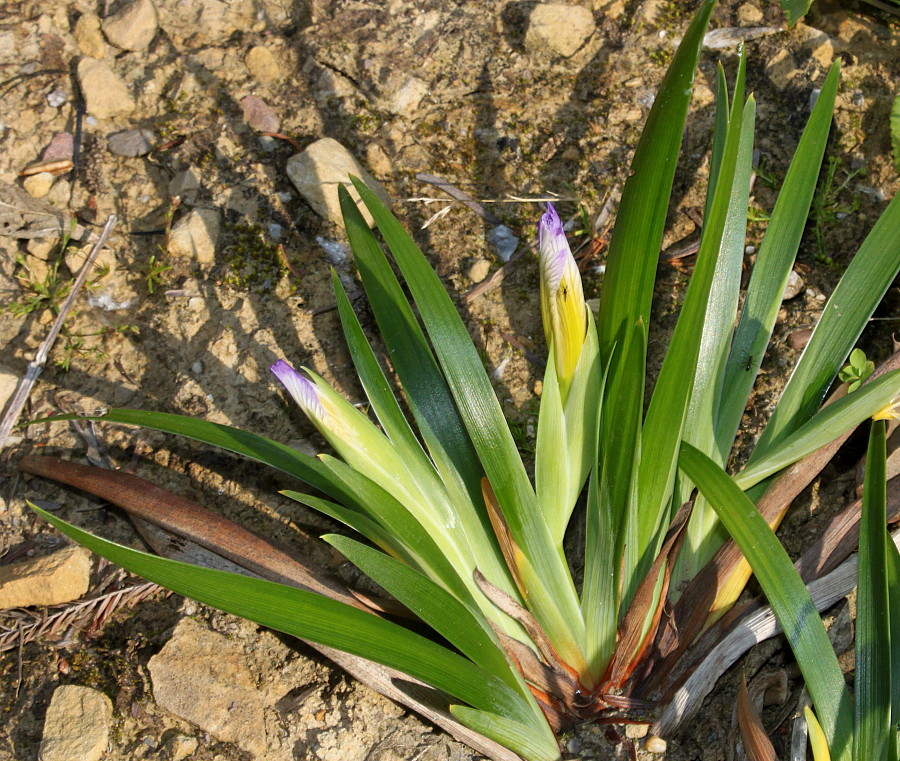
{"points": [[208, 128]]}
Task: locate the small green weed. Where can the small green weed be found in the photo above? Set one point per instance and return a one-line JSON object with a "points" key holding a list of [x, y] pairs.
{"points": [[832, 202]]}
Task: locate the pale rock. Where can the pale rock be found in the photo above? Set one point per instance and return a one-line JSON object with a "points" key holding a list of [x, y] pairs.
{"points": [[131, 143], [203, 677], [75, 257], [820, 45], [134, 26], [317, 172], [259, 114], [636, 731], [781, 68], [181, 747], [59, 193], [105, 93], [214, 20], [60, 148], [405, 99], [558, 28], [195, 236], [702, 95], [261, 64], [479, 270], [77, 725], [42, 247], [38, 185], [184, 182], [88, 37], [793, 287], [61, 577], [613, 10], [8, 383], [749, 15]]}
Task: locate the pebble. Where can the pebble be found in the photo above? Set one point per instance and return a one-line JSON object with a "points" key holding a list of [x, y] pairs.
{"points": [[8, 383], [60, 148], [262, 65], [131, 143], [105, 93], [799, 338], [57, 98], [317, 172], [41, 247], [479, 270], [781, 68], [195, 236], [820, 45], [38, 185], [77, 725], [88, 37], [181, 747], [186, 181], [408, 95], [728, 37], [61, 577], [203, 677], [503, 241], [134, 26], [793, 286], [259, 114], [558, 29], [749, 15]]}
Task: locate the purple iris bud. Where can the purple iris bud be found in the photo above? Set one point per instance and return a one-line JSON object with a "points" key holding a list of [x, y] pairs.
{"points": [[301, 388]]}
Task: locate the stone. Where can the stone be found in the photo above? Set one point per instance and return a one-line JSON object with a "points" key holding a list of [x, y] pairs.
{"points": [[259, 114], [57, 98], [261, 64], [60, 147], [38, 185], [204, 678], [186, 181], [42, 247], [820, 45], [195, 236], [317, 172], [105, 93], [479, 270], [504, 242], [405, 99], [781, 68], [77, 725], [61, 577], [134, 26], [749, 15], [793, 287], [558, 29], [9, 381], [131, 143], [88, 37], [378, 160], [181, 747]]}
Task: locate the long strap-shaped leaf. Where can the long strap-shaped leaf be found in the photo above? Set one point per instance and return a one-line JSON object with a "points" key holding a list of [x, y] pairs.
{"points": [[310, 616], [872, 680], [773, 267], [552, 596], [786, 593], [634, 248], [846, 313]]}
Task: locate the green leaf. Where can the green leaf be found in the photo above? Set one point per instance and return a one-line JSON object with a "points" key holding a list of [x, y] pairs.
{"points": [[703, 534], [512, 734], [872, 684], [786, 594], [827, 425], [436, 607], [313, 617], [427, 392], [257, 448], [795, 9], [633, 255], [552, 599], [773, 266], [665, 419], [893, 576], [846, 313]]}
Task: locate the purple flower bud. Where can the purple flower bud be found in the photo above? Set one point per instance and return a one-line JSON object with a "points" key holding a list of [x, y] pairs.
{"points": [[300, 388]]}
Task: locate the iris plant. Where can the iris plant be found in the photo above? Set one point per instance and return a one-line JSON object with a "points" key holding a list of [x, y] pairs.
{"points": [[446, 517]]}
